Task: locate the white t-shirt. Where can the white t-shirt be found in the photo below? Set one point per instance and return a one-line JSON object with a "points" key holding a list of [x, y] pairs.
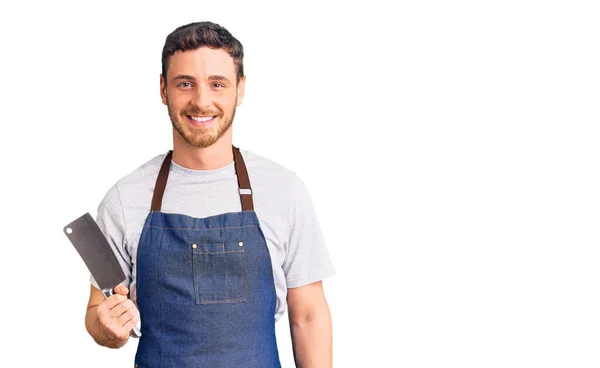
{"points": [[281, 201]]}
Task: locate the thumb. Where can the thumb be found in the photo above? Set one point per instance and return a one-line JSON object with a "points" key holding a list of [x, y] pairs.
{"points": [[121, 289]]}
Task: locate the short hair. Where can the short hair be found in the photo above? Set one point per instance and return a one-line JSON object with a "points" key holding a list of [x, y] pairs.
{"points": [[195, 35]]}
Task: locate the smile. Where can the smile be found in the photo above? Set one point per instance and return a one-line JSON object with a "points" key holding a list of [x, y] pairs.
{"points": [[200, 121]]}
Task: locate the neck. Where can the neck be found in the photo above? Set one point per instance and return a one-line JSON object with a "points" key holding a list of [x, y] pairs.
{"points": [[215, 156]]}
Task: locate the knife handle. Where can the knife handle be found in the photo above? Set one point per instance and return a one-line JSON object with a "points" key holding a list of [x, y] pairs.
{"points": [[135, 332]]}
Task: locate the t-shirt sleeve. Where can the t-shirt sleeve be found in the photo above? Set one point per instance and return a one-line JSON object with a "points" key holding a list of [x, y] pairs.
{"points": [[307, 258], [111, 221]]}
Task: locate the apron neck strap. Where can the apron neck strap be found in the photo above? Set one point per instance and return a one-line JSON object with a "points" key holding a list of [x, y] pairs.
{"points": [[244, 190]]}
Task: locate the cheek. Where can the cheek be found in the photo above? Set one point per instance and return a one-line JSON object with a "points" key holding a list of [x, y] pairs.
{"points": [[176, 103], [226, 102]]}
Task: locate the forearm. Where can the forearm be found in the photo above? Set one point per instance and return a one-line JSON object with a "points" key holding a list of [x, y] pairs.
{"points": [[95, 330], [312, 341]]}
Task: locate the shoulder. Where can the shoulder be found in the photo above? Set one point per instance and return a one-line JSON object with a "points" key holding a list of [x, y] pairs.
{"points": [[138, 181], [269, 176], [147, 172]]}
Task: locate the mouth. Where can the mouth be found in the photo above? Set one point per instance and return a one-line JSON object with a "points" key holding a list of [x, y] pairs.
{"points": [[200, 121]]}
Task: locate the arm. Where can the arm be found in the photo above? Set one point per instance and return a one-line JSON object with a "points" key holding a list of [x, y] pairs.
{"points": [[310, 326], [110, 320]]}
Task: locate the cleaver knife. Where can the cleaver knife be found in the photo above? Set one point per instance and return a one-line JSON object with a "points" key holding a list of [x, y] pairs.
{"points": [[92, 246]]}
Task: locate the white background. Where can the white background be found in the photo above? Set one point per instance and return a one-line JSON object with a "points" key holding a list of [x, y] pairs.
{"points": [[451, 150]]}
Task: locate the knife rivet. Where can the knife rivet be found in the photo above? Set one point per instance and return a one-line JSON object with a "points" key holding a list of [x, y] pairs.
{"points": [[241, 244], [194, 246]]}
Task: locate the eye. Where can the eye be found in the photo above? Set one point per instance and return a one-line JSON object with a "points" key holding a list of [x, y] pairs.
{"points": [[184, 84], [219, 85]]}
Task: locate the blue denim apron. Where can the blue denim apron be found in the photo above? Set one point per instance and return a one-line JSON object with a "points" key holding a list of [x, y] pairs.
{"points": [[205, 287]]}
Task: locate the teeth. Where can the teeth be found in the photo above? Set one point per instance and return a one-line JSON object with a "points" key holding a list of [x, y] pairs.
{"points": [[201, 119]]}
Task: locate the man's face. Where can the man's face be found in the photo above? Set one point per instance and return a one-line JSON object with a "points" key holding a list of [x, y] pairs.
{"points": [[201, 94]]}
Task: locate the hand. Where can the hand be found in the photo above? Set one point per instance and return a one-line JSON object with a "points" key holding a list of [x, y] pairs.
{"points": [[117, 315]]}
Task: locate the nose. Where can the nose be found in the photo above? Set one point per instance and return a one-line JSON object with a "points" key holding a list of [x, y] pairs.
{"points": [[201, 96]]}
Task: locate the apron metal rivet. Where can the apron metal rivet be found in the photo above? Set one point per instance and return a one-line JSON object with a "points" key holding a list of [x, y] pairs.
{"points": [[241, 244], [194, 246]]}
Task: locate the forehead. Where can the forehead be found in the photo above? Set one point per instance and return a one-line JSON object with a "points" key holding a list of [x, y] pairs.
{"points": [[201, 63]]}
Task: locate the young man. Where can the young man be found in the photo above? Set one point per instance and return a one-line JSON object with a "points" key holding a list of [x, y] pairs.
{"points": [[214, 239]]}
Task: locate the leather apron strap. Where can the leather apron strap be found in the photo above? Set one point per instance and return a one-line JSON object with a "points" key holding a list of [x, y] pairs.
{"points": [[245, 190]]}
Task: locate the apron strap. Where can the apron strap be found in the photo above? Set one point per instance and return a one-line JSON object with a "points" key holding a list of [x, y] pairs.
{"points": [[161, 183], [244, 190]]}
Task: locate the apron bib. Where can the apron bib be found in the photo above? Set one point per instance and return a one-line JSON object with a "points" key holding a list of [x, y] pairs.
{"points": [[205, 287]]}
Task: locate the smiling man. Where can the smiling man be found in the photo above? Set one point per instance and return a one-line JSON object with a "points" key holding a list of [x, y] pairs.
{"points": [[193, 113], [215, 240]]}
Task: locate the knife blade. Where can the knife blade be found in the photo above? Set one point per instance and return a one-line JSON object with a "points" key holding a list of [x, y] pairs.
{"points": [[98, 256]]}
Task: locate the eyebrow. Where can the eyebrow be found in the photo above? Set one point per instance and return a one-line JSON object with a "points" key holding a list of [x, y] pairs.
{"points": [[218, 78], [184, 77], [210, 78]]}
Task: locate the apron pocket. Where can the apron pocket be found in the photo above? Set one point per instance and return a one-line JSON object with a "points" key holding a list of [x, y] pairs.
{"points": [[219, 273]]}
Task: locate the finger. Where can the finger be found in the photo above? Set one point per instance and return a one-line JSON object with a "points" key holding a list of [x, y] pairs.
{"points": [[127, 316], [112, 329], [129, 325], [121, 308], [121, 289], [110, 302]]}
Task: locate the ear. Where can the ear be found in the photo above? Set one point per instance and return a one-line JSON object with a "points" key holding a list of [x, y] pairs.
{"points": [[240, 90], [163, 90]]}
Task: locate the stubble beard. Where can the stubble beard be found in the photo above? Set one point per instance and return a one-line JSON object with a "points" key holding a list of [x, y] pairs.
{"points": [[200, 137]]}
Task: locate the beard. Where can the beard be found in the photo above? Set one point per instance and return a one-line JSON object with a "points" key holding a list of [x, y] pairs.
{"points": [[200, 137]]}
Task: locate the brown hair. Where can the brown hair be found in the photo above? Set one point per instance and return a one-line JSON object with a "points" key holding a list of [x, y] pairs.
{"points": [[195, 35]]}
